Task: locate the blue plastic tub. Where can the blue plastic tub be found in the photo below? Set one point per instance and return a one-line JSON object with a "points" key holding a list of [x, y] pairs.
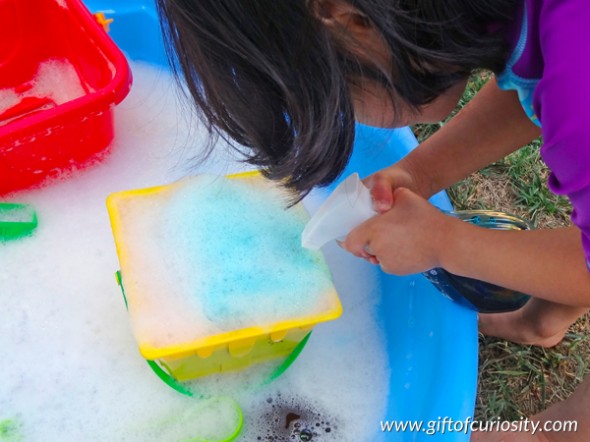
{"points": [[431, 341]]}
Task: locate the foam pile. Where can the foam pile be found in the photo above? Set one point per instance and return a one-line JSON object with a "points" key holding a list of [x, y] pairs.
{"points": [[211, 254]]}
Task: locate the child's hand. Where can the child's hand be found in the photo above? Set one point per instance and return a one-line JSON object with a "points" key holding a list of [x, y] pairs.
{"points": [[409, 238], [383, 183]]}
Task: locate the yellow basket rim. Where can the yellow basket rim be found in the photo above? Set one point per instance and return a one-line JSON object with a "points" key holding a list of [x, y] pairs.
{"points": [[225, 338]]}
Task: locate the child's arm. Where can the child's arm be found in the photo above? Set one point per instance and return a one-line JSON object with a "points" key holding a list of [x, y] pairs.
{"points": [[490, 126], [414, 237], [546, 263]]}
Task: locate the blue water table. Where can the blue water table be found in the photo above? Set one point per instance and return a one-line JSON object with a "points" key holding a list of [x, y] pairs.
{"points": [[431, 341]]}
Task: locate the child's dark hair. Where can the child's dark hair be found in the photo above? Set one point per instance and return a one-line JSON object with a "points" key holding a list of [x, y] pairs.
{"points": [[269, 75]]}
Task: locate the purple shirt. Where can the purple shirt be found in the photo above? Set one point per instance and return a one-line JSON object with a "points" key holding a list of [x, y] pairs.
{"points": [[556, 52]]}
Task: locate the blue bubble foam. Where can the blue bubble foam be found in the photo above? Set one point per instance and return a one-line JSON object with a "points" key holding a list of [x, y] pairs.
{"points": [[241, 248]]}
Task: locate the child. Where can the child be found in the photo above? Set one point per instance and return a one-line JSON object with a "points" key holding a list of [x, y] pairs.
{"points": [[287, 79]]}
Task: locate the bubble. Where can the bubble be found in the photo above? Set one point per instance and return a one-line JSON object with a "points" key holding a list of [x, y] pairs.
{"points": [[305, 435]]}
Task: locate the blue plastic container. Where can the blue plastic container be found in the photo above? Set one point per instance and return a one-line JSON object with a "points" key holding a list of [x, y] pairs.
{"points": [[431, 341]]}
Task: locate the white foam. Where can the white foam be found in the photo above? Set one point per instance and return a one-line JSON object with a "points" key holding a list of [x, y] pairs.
{"points": [[55, 79], [16, 214], [211, 255], [58, 80], [71, 369]]}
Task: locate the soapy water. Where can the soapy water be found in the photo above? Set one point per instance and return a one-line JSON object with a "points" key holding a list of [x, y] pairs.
{"points": [[72, 370]]}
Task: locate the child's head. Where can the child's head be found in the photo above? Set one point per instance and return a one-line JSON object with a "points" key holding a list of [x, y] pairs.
{"points": [[287, 78]]}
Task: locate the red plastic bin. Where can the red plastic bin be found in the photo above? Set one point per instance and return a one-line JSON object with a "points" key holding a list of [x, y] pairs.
{"points": [[60, 78]]}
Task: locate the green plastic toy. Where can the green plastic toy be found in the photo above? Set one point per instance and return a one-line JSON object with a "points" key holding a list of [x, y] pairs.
{"points": [[16, 221]]}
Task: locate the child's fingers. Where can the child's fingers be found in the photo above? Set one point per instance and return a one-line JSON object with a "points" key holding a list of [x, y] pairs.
{"points": [[357, 243], [364, 253], [381, 192], [371, 257]]}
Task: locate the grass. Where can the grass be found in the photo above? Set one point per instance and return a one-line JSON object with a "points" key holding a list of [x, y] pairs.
{"points": [[518, 380], [515, 184]]}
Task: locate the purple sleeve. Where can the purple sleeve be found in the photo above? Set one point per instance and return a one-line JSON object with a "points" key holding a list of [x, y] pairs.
{"points": [[562, 103]]}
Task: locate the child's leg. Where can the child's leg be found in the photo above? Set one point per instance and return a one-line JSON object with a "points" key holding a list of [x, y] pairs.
{"points": [[539, 322], [575, 408]]}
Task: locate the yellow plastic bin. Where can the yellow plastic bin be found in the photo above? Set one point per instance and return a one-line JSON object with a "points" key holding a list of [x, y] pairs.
{"points": [[190, 356]]}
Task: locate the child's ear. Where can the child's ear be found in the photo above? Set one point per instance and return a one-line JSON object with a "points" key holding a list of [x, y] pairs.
{"points": [[341, 17], [340, 13]]}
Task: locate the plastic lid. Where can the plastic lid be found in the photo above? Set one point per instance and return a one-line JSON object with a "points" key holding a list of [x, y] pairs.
{"points": [[348, 206]]}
